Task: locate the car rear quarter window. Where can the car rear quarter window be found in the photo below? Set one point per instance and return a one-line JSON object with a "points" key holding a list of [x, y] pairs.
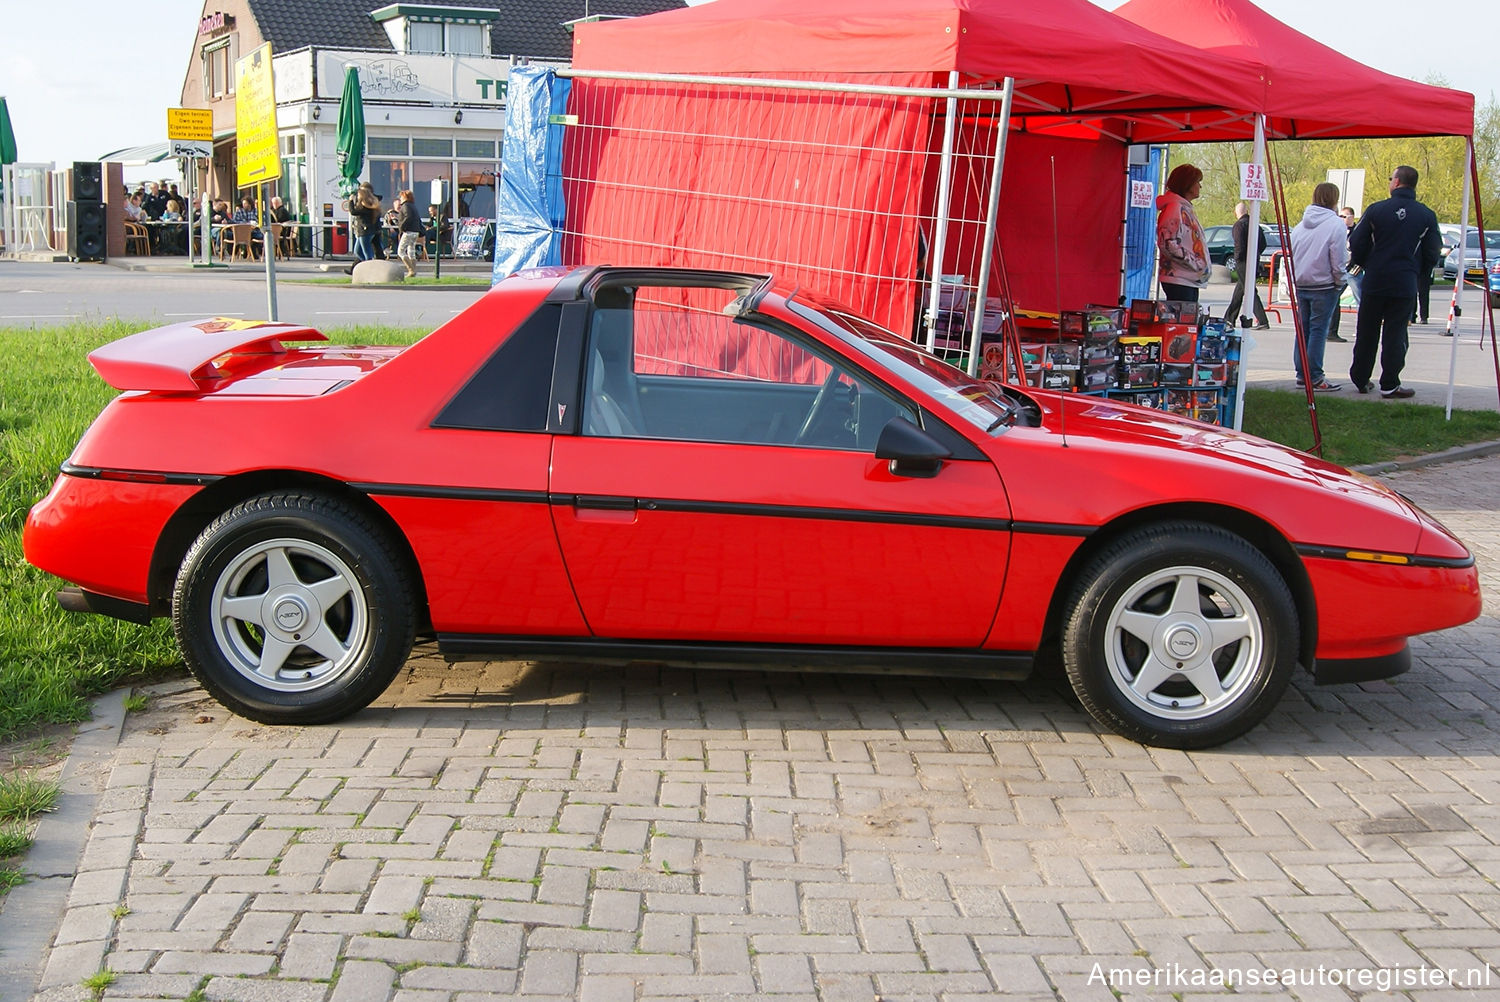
{"points": [[512, 390]]}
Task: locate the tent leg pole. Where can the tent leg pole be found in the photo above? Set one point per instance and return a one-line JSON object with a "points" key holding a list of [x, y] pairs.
{"points": [[940, 238], [1252, 268], [1458, 281], [992, 209]]}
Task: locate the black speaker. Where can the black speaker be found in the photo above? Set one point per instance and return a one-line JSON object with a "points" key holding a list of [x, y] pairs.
{"points": [[86, 231], [88, 181]]}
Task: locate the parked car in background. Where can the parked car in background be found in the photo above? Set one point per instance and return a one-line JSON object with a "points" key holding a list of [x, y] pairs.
{"points": [[609, 465], [1220, 241], [1473, 264]]}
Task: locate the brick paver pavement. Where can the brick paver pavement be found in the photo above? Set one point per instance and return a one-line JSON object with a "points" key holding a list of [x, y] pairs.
{"points": [[603, 834]]}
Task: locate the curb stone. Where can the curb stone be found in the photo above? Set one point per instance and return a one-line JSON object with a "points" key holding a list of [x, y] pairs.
{"points": [[32, 913], [1475, 450]]}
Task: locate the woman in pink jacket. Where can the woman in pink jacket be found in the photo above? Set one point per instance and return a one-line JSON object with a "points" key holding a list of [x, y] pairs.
{"points": [[1181, 250]]}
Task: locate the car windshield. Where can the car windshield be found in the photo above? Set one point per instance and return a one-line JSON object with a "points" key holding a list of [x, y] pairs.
{"points": [[978, 402]]}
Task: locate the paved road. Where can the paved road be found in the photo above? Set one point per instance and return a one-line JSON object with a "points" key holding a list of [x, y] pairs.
{"points": [[594, 834], [44, 295]]}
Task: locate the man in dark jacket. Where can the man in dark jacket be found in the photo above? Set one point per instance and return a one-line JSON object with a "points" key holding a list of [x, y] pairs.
{"points": [[1395, 240], [1247, 273]]}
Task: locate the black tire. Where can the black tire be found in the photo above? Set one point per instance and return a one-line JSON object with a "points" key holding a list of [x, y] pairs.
{"points": [[334, 589], [1232, 674]]}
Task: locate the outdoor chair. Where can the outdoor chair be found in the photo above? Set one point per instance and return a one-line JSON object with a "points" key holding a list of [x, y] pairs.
{"points": [[137, 240], [237, 239]]}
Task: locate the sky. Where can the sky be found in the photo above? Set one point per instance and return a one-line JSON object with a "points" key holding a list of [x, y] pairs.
{"points": [[83, 77]]}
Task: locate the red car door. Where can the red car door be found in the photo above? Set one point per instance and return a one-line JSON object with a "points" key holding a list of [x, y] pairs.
{"points": [[724, 487]]}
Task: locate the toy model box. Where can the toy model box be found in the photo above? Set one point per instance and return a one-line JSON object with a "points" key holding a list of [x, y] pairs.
{"points": [[1142, 375], [1049, 379], [1095, 319], [1210, 373], [1064, 354], [1179, 346], [1175, 311], [1097, 353], [1212, 346], [1184, 401], [1097, 377], [1141, 398], [1177, 374], [1143, 311], [1139, 350]]}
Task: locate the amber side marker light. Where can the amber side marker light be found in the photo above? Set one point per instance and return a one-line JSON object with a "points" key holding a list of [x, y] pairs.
{"points": [[1377, 558]]}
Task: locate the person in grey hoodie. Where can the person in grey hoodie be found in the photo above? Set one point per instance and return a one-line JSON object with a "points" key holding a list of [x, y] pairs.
{"points": [[1320, 255]]}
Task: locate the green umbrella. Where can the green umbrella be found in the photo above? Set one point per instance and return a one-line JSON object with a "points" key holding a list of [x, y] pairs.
{"points": [[7, 142], [350, 151], [7, 136]]}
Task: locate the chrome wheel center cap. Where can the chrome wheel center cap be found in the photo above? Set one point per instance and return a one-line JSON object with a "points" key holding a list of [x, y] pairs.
{"points": [[290, 613], [1183, 642]]}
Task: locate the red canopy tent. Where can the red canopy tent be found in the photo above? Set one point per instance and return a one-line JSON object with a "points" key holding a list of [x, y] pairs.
{"points": [[1070, 58], [1086, 83], [1312, 91]]}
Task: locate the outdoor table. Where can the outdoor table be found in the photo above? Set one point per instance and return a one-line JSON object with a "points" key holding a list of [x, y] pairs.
{"points": [[167, 236]]}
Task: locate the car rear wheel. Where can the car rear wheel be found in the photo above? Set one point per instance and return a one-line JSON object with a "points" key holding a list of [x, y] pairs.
{"points": [[293, 608], [1180, 636]]}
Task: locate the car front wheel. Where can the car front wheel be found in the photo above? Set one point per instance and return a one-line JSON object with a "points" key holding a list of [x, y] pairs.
{"points": [[293, 608], [1181, 636]]}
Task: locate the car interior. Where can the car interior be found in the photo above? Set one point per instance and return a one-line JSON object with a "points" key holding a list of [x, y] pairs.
{"points": [[662, 366]]}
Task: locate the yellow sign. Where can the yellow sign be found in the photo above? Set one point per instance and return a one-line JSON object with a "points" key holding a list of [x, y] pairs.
{"points": [[190, 123], [255, 119]]}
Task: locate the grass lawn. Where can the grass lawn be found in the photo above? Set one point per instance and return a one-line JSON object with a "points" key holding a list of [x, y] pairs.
{"points": [[51, 661], [1358, 431]]}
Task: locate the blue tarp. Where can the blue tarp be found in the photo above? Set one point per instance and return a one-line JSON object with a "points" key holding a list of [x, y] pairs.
{"points": [[529, 210], [1140, 234]]}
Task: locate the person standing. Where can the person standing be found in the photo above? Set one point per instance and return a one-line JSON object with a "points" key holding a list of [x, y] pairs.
{"points": [[364, 218], [1246, 274], [1351, 278], [1396, 239], [409, 224], [1183, 264], [1320, 257]]}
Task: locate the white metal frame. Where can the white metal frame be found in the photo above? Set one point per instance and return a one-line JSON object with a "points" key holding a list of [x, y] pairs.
{"points": [[993, 105]]}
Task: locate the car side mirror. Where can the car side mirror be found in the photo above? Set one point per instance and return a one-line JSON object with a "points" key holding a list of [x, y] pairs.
{"points": [[911, 451]]}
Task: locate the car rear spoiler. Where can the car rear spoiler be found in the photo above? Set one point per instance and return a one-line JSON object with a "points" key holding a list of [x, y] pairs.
{"points": [[181, 358]]}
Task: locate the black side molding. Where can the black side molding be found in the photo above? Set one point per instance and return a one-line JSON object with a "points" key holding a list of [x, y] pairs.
{"points": [[1334, 671], [78, 600], [942, 661]]}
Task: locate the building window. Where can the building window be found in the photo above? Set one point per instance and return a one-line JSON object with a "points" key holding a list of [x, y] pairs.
{"points": [[218, 70], [387, 146], [424, 36], [466, 39], [447, 38], [432, 148], [475, 149]]}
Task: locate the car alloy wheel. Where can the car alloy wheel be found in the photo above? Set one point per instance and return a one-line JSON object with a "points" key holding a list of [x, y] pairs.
{"points": [[289, 614], [1180, 635], [294, 608]]}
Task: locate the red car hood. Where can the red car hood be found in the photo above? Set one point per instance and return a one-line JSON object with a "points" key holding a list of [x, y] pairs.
{"points": [[1106, 420], [1181, 450]]}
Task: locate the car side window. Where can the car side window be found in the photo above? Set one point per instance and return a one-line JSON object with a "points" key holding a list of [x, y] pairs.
{"points": [[510, 392], [663, 367]]}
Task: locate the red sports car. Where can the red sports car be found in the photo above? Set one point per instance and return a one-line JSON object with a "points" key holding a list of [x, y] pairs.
{"points": [[695, 467]]}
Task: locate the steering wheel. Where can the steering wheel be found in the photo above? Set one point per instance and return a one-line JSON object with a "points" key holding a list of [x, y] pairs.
{"points": [[820, 402]]}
